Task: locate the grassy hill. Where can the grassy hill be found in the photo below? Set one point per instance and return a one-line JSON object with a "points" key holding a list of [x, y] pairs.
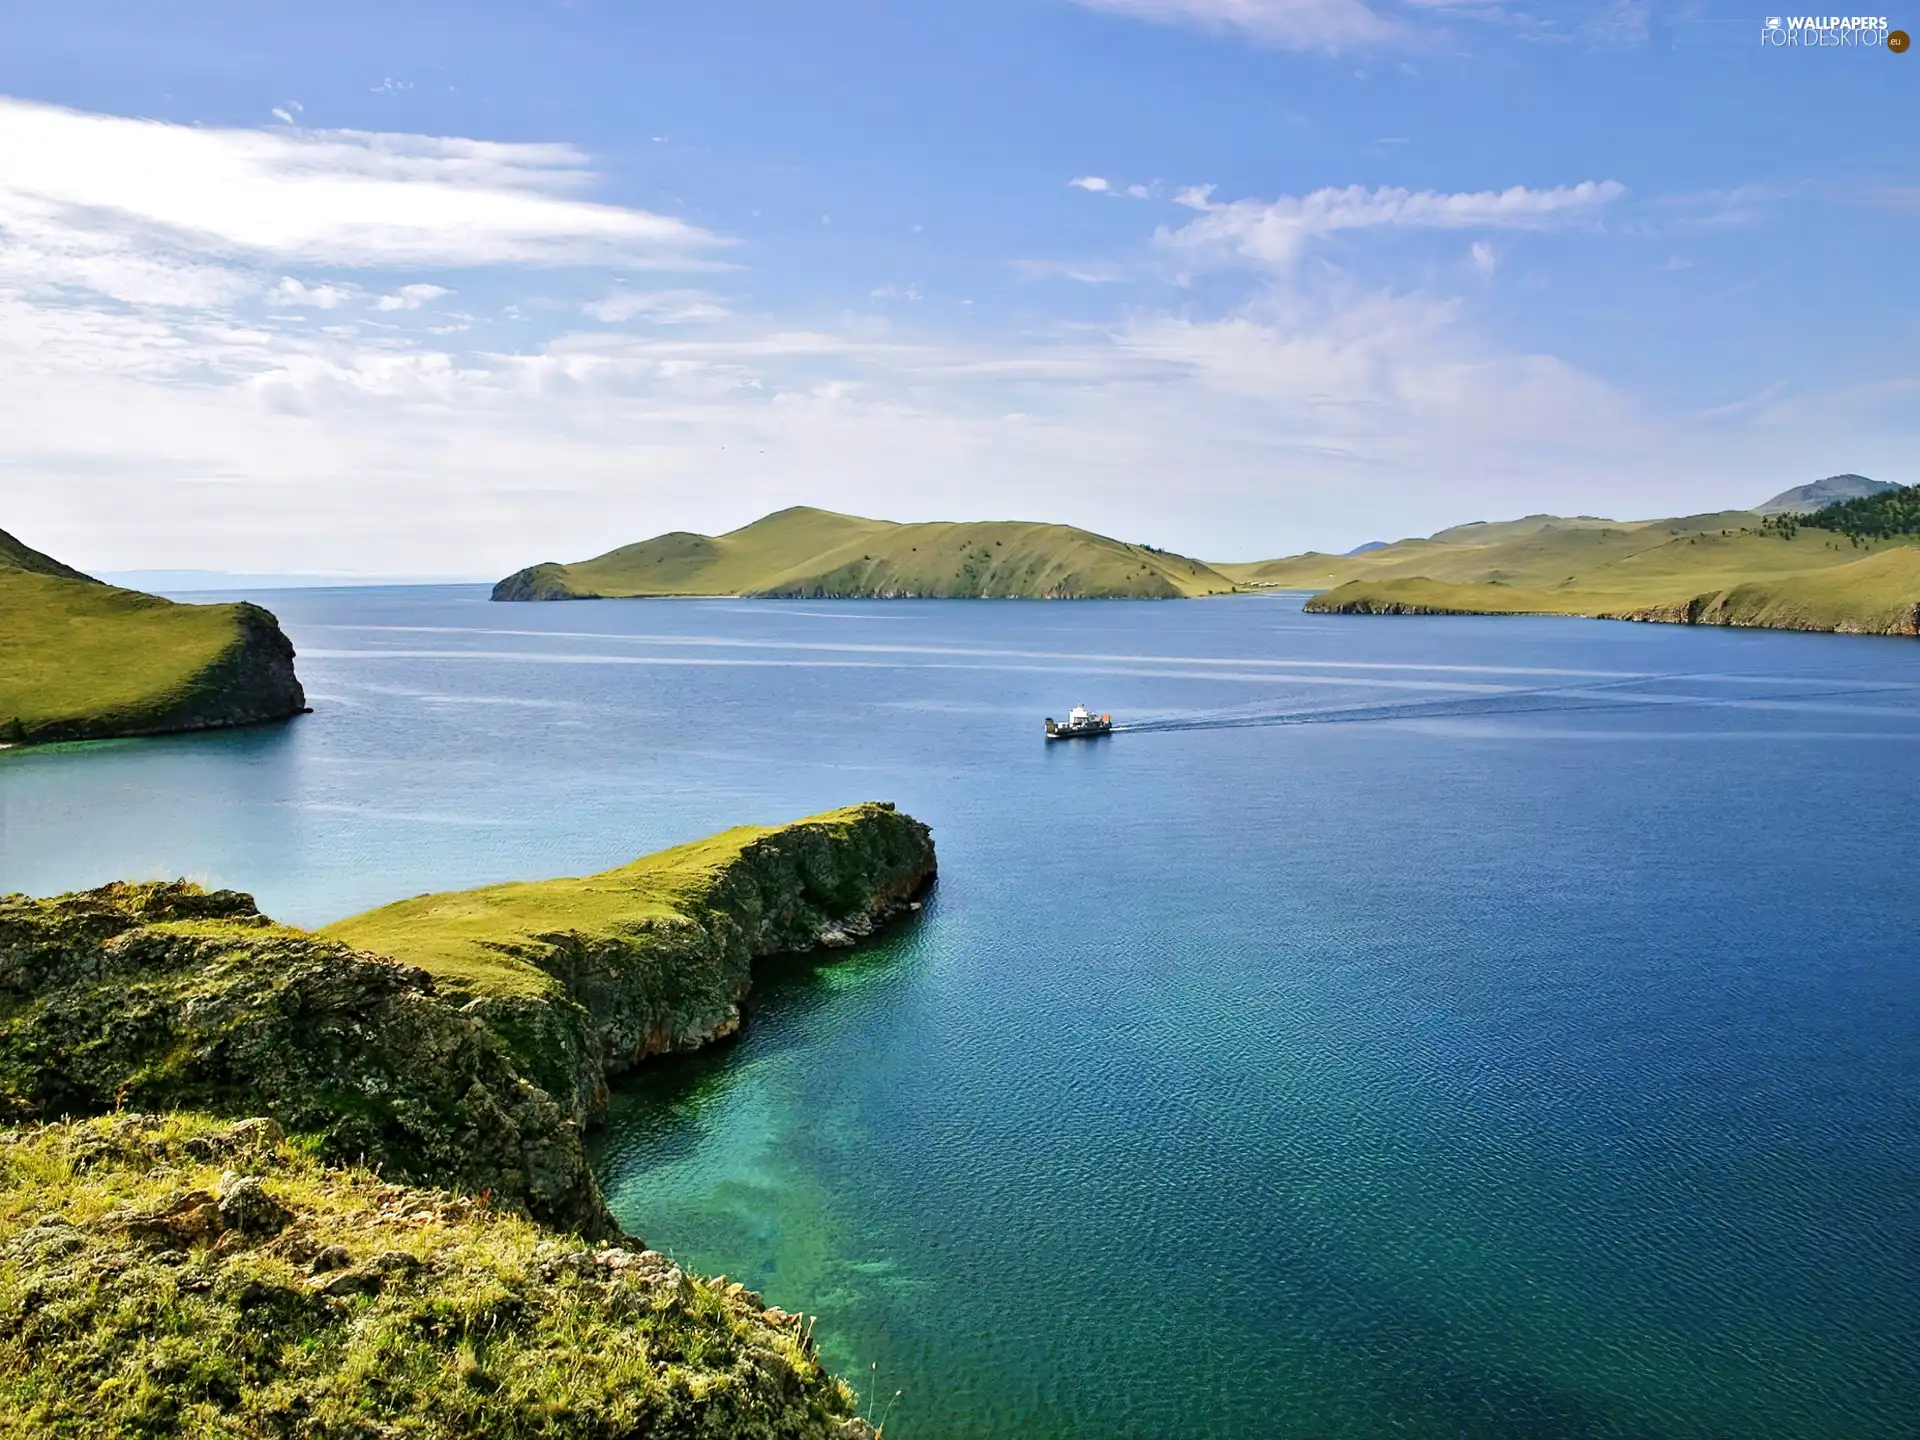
{"points": [[817, 554], [80, 660], [1851, 567]]}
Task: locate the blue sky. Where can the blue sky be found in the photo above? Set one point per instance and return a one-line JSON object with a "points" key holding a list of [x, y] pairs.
{"points": [[447, 289]]}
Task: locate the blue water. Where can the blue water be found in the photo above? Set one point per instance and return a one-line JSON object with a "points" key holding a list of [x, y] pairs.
{"points": [[1430, 1027]]}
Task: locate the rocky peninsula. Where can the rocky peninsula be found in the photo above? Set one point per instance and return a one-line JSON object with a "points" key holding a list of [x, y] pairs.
{"points": [[458, 1044], [82, 660]]}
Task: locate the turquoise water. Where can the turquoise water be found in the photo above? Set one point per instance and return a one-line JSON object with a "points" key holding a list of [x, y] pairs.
{"points": [[1440, 1027]]}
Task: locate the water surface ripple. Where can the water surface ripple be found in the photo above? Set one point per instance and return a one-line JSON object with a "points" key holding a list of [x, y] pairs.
{"points": [[1430, 1027]]}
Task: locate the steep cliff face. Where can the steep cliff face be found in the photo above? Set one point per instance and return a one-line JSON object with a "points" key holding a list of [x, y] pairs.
{"points": [[585, 978], [84, 661], [251, 680], [547, 581], [475, 1067], [163, 996]]}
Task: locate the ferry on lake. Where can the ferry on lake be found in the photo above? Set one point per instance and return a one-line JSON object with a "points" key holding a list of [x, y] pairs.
{"points": [[1080, 722]]}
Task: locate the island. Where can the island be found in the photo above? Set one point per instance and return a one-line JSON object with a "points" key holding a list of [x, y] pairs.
{"points": [[82, 660], [1848, 563], [255, 1179], [804, 553]]}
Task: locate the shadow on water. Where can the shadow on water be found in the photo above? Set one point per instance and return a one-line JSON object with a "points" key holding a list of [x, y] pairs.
{"points": [[665, 1097]]}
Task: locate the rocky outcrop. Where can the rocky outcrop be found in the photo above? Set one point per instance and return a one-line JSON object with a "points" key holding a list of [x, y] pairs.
{"points": [[247, 680], [176, 1276], [661, 956], [251, 681], [547, 581], [164, 996], [1755, 607], [1375, 605]]}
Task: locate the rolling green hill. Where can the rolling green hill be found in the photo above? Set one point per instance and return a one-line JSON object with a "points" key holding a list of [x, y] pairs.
{"points": [[80, 660], [805, 553], [1851, 567]]}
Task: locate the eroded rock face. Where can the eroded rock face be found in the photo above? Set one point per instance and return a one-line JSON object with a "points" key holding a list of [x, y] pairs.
{"points": [[251, 681], [676, 983], [163, 996]]}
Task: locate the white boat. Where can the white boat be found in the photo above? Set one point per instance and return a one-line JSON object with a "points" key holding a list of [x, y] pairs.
{"points": [[1080, 723]]}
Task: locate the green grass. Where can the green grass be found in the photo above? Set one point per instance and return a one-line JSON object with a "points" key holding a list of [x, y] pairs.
{"points": [[1540, 551], [479, 940], [475, 939], [1810, 582], [804, 552], [1729, 567], [76, 651], [137, 1298]]}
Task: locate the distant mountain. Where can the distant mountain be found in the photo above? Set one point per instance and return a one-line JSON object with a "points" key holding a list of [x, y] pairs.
{"points": [[1829, 491], [82, 660], [1857, 569], [1370, 545], [804, 553]]}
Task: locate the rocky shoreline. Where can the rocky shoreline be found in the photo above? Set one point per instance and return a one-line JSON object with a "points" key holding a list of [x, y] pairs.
{"points": [[306, 1139], [163, 996]]}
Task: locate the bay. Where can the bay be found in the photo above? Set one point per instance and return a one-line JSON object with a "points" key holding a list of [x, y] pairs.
{"points": [[1438, 1026]]}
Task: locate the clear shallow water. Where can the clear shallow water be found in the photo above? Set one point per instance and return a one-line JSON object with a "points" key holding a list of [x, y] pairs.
{"points": [[1536, 1058]]}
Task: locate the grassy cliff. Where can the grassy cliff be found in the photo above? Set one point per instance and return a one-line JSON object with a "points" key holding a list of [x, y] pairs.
{"points": [[80, 660], [210, 1252], [181, 1276], [457, 1039], [808, 553], [587, 977]]}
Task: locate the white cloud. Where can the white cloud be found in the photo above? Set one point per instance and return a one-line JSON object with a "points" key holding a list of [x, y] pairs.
{"points": [[411, 297], [896, 292], [74, 181], [244, 436], [321, 297], [1086, 272], [1093, 183], [1483, 257], [662, 307], [1325, 25], [1273, 233]]}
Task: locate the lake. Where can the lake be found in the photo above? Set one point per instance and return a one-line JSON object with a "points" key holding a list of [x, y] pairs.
{"points": [[1428, 1026]]}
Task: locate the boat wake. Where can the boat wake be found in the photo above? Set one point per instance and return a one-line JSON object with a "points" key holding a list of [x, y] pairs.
{"points": [[1622, 695]]}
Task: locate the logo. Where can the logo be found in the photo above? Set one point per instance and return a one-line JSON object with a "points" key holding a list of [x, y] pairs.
{"points": [[1825, 32]]}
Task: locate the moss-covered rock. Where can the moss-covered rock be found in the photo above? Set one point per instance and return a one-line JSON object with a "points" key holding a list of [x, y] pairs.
{"points": [[141, 1294], [163, 996], [585, 978], [471, 1060]]}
